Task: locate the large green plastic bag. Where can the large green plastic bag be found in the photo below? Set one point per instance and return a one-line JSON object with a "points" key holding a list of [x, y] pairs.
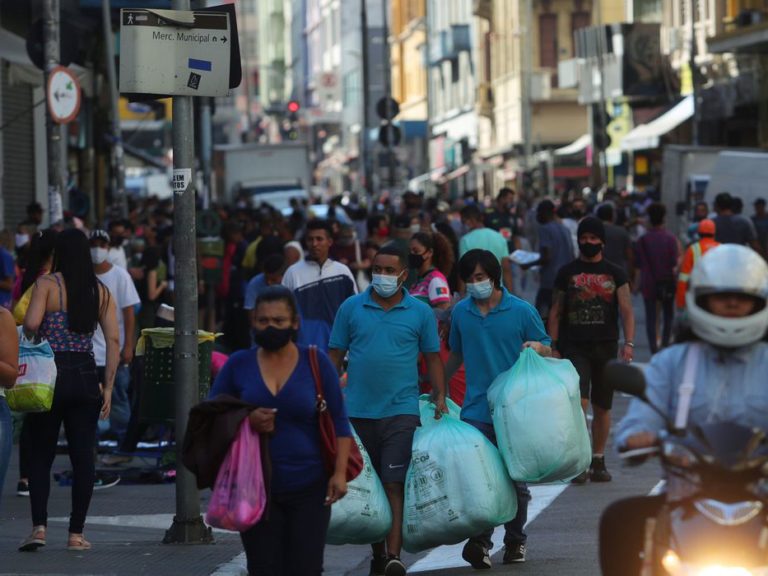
{"points": [[456, 486], [33, 391], [363, 516], [540, 427]]}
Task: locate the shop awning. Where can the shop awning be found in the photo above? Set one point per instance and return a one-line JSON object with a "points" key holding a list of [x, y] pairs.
{"points": [[647, 136], [578, 145], [460, 171], [572, 172], [13, 49]]}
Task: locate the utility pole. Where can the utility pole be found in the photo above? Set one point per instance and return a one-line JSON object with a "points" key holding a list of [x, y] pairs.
{"points": [[526, 77], [430, 96], [692, 65], [386, 71], [118, 158], [188, 526], [602, 46], [206, 137], [206, 148], [52, 51], [366, 174]]}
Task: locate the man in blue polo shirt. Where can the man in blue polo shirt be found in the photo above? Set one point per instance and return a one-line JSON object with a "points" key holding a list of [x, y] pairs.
{"points": [[385, 329], [488, 331]]}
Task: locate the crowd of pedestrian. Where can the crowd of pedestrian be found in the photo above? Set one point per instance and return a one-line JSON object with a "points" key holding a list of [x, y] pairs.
{"points": [[403, 297]]}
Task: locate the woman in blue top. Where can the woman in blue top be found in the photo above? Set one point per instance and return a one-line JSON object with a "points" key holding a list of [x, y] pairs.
{"points": [[276, 376]]}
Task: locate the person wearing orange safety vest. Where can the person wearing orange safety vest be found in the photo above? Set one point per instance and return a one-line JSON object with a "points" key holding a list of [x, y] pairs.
{"points": [[692, 256]]}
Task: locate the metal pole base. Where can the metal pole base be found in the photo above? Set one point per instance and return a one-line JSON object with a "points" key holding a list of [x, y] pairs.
{"points": [[188, 532]]}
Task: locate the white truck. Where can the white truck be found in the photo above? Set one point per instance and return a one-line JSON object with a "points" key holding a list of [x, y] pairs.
{"points": [[263, 173], [692, 173]]}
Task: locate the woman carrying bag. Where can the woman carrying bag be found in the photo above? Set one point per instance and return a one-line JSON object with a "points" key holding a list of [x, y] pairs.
{"points": [[277, 376], [65, 309]]}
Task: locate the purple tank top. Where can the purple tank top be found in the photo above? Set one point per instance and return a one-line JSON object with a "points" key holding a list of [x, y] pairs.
{"points": [[55, 329]]}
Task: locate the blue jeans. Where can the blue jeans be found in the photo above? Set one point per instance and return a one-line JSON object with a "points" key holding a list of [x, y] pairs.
{"points": [[120, 412], [6, 440], [76, 404], [514, 531], [291, 541], [668, 313]]}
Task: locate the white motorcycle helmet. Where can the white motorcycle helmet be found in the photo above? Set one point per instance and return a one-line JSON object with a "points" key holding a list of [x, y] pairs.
{"points": [[728, 269]]}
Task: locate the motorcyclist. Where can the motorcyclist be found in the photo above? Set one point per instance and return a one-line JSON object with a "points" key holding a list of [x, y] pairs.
{"points": [[727, 309]]}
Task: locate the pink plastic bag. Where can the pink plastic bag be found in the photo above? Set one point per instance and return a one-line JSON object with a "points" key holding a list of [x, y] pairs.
{"points": [[239, 497]]}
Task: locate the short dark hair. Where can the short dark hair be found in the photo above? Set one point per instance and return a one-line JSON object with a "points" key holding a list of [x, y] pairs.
{"points": [[34, 208], [724, 201], [401, 221], [605, 213], [320, 224], [278, 294], [483, 258], [471, 212], [504, 191], [737, 205], [274, 263], [392, 249], [374, 222], [546, 206], [656, 213]]}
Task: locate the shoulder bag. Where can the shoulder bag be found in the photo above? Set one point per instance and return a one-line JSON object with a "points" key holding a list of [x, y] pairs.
{"points": [[328, 442]]}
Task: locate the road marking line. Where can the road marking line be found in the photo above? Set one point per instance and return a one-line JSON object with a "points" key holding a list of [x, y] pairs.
{"points": [[153, 521], [658, 489], [450, 556]]}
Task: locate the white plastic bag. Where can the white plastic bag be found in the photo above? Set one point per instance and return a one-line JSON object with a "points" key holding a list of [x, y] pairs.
{"points": [[456, 486], [33, 391], [363, 516], [539, 424]]}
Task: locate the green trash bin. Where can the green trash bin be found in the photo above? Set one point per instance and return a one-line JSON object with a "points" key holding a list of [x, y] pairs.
{"points": [[157, 402]]}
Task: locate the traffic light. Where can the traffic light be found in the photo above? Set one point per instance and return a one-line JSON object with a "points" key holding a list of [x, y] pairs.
{"points": [[290, 125], [527, 180], [600, 120]]}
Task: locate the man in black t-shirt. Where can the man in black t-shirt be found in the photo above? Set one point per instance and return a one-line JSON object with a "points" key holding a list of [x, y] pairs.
{"points": [[590, 294], [501, 218]]}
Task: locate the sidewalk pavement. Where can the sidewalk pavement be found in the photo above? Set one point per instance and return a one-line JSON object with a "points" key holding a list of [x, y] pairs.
{"points": [[126, 525]]}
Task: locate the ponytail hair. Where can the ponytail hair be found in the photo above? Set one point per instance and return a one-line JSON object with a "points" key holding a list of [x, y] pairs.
{"points": [[443, 257]]}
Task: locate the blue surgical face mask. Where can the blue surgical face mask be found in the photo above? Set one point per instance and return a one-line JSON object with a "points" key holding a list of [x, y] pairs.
{"points": [[384, 285], [480, 290]]}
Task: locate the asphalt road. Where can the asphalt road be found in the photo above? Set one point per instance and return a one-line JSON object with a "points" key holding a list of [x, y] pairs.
{"points": [[561, 540]]}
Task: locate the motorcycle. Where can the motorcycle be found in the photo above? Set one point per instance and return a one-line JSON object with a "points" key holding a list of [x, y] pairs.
{"points": [[714, 520]]}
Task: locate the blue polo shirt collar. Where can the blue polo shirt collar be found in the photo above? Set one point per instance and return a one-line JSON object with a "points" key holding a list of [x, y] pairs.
{"points": [[504, 304], [370, 302]]}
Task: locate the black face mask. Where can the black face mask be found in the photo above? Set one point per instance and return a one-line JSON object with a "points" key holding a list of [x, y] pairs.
{"points": [[272, 338], [415, 261], [577, 214], [590, 250]]}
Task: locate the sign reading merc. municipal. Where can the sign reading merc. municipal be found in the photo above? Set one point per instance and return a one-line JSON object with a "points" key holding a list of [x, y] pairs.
{"points": [[174, 52]]}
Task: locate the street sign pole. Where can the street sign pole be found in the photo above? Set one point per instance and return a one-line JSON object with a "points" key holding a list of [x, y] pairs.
{"points": [[51, 49], [364, 166], [188, 526], [118, 158]]}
